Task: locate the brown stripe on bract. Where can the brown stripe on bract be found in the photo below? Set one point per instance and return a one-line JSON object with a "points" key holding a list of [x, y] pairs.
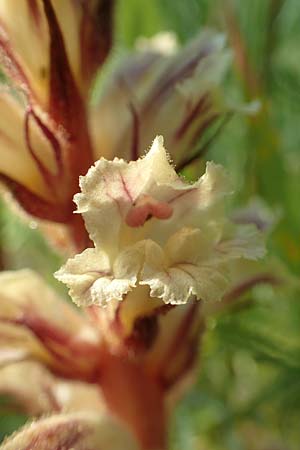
{"points": [[66, 106], [10, 63], [95, 36], [35, 205], [200, 108], [35, 11], [173, 74], [64, 102], [202, 127], [69, 359]]}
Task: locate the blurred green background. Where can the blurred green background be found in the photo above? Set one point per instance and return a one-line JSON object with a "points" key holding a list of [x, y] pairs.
{"points": [[247, 396]]}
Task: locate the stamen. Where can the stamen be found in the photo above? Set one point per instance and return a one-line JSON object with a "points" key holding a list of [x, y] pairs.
{"points": [[146, 208]]}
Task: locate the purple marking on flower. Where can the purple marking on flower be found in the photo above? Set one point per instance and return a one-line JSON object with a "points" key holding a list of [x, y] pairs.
{"points": [[125, 187], [200, 108], [167, 81], [51, 138], [203, 126]]}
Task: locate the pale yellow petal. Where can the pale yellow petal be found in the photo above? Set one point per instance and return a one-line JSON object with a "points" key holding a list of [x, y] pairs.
{"points": [[24, 292], [47, 393], [18, 343], [81, 272], [27, 35], [92, 280], [186, 281], [16, 161], [36, 323]]}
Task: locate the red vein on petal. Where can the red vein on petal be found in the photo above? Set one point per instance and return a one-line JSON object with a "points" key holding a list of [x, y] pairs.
{"points": [[43, 170], [11, 63], [171, 77], [54, 142]]}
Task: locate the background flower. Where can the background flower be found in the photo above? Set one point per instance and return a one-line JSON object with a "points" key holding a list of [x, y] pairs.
{"points": [[50, 134], [153, 92]]}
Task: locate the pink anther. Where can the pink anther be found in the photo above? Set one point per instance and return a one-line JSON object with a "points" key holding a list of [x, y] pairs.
{"points": [[145, 208]]}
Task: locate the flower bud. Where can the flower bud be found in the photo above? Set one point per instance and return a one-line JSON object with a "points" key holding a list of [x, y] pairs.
{"points": [[152, 93], [77, 431], [36, 324]]}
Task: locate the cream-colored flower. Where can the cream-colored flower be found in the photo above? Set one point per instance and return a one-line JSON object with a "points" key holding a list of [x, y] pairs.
{"points": [[151, 228]]}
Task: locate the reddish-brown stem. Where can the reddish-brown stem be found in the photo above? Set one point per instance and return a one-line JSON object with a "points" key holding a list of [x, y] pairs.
{"points": [[135, 398]]}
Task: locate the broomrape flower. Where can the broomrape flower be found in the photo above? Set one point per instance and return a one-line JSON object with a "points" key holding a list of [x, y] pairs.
{"points": [[53, 362], [49, 133], [159, 241]]}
